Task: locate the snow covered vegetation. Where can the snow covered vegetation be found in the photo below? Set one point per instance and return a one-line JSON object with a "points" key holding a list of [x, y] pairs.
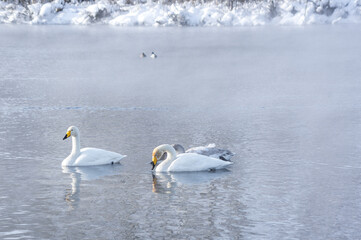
{"points": [[182, 13]]}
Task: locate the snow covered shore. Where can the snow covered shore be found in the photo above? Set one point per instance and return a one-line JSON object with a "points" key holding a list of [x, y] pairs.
{"points": [[284, 12]]}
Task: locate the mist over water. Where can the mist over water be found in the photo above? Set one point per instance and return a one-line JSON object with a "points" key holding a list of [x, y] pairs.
{"points": [[286, 100]]}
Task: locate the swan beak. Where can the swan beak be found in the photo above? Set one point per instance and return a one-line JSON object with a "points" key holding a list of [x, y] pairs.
{"points": [[67, 135], [154, 162]]}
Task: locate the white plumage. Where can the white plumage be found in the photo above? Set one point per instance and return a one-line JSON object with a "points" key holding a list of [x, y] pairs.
{"points": [[87, 156], [185, 162], [209, 150]]}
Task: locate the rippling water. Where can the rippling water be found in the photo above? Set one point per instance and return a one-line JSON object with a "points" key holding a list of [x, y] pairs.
{"points": [[286, 100]]}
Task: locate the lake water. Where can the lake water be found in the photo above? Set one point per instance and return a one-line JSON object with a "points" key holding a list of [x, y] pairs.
{"points": [[286, 100]]}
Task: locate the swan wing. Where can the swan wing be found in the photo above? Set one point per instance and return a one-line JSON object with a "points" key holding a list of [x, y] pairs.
{"points": [[212, 151], [188, 162], [96, 156]]}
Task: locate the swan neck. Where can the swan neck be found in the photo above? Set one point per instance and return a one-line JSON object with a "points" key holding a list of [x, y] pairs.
{"points": [[171, 154], [76, 145]]}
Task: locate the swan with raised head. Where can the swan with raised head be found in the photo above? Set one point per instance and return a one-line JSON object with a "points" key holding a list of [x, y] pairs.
{"points": [[209, 150], [87, 156], [186, 162]]}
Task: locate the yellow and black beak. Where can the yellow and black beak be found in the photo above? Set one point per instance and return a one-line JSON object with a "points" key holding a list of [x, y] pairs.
{"points": [[154, 161], [67, 135]]}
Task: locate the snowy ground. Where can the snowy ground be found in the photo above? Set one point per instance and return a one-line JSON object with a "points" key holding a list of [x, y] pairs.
{"points": [[284, 12]]}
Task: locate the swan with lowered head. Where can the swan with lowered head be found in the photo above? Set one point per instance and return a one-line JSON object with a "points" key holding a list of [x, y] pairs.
{"points": [[186, 162], [87, 156]]}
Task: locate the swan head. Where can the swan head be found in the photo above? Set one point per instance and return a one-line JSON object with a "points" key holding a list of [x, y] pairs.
{"points": [[158, 153], [72, 131]]}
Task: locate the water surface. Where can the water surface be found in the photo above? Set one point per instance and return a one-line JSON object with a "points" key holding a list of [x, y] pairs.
{"points": [[286, 100]]}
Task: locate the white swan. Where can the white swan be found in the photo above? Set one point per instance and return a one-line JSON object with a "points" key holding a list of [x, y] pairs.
{"points": [[186, 162], [87, 156], [209, 150]]}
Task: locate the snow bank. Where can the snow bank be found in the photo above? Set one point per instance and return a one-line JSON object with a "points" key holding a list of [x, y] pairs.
{"points": [[284, 12]]}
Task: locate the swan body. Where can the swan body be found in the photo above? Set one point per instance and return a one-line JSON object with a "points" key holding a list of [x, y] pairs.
{"points": [[186, 162], [87, 156], [209, 150]]}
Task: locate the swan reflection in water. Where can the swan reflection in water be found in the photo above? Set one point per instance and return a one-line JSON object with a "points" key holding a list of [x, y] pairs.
{"points": [[88, 173], [167, 183]]}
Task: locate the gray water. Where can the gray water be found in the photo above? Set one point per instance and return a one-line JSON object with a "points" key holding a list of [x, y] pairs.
{"points": [[286, 100]]}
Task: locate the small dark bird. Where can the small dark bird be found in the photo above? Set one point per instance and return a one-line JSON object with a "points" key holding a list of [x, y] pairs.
{"points": [[153, 55]]}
